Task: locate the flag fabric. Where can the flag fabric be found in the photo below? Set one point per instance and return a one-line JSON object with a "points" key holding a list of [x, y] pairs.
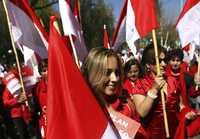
{"points": [[71, 105], [76, 11], [188, 23], [72, 27], [189, 52], [28, 33], [24, 31], [136, 20], [28, 15], [105, 38]]}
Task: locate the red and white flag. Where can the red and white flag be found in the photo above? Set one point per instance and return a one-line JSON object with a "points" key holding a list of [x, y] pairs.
{"points": [[71, 105], [30, 33], [136, 20], [188, 24], [105, 38], [71, 27], [27, 31]]}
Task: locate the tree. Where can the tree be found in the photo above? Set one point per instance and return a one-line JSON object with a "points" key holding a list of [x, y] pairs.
{"points": [[94, 15]]}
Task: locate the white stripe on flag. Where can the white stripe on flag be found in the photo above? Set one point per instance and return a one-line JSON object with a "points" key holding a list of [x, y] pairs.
{"points": [[109, 133], [131, 32], [189, 26]]}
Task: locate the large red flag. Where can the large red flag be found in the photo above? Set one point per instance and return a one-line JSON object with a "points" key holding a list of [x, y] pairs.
{"points": [[72, 110], [136, 20], [188, 23], [105, 38]]}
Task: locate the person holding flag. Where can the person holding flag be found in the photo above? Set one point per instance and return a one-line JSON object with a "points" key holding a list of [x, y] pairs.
{"points": [[14, 99], [147, 96]]}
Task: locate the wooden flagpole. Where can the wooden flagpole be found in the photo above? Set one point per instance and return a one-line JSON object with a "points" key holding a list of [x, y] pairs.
{"points": [[72, 44], [198, 70], [15, 52], [74, 51], [105, 29], [162, 91]]}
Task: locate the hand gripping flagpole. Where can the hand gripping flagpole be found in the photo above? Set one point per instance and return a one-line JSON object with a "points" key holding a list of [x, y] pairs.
{"points": [[162, 91], [15, 52]]}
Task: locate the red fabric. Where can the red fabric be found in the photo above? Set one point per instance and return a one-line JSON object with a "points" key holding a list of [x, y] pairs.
{"points": [[128, 86], [73, 111], [23, 4], [126, 109], [193, 129], [120, 20], [153, 122], [76, 10], [188, 5], [41, 95], [181, 79], [145, 16], [105, 38], [184, 130], [16, 109], [193, 69]]}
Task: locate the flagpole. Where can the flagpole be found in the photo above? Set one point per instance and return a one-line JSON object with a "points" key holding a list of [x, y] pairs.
{"points": [[165, 44], [105, 29], [162, 91], [15, 52], [72, 44], [74, 51], [198, 70]]}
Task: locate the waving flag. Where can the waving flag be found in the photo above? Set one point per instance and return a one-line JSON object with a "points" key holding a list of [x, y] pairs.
{"points": [[28, 34], [188, 24], [71, 105], [26, 30], [105, 38], [72, 27], [136, 20]]}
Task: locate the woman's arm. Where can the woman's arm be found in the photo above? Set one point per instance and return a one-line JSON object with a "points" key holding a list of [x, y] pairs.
{"points": [[143, 103]]}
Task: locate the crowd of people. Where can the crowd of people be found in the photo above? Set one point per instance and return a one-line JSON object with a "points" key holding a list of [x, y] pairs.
{"points": [[132, 88], [23, 114]]}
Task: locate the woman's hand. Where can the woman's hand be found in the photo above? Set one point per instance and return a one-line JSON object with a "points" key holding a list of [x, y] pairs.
{"points": [[197, 79], [22, 98], [159, 82], [191, 115]]}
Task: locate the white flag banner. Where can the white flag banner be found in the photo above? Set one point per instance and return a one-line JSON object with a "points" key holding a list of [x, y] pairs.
{"points": [[188, 25]]}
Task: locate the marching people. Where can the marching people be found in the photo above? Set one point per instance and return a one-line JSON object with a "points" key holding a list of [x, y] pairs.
{"points": [[132, 72], [41, 97], [147, 99], [186, 84], [15, 100]]}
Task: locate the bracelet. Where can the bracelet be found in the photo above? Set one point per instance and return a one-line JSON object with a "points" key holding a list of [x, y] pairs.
{"points": [[149, 93]]}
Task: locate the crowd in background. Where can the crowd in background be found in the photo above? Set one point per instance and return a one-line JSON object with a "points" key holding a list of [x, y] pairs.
{"points": [[121, 81]]}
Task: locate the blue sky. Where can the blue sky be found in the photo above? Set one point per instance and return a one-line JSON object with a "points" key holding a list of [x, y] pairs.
{"points": [[171, 8]]}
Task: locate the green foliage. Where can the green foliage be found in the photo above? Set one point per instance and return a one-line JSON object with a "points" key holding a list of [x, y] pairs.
{"points": [[93, 16]]}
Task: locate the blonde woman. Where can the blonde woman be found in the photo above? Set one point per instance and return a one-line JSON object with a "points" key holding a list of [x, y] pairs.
{"points": [[103, 71]]}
